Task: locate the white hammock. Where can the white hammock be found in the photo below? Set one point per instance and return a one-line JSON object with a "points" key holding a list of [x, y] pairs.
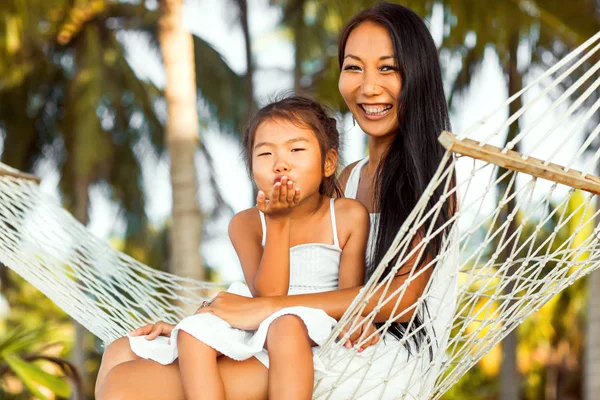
{"points": [[509, 265]]}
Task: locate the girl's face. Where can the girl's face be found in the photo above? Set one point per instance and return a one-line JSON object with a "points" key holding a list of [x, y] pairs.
{"points": [[282, 148], [370, 82]]}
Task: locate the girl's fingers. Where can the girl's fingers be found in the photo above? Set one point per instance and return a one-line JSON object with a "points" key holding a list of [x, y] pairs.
{"points": [[284, 190], [275, 193], [290, 193], [296, 198], [261, 201]]}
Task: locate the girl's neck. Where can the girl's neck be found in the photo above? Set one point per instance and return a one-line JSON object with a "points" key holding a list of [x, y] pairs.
{"points": [[308, 206], [378, 147]]}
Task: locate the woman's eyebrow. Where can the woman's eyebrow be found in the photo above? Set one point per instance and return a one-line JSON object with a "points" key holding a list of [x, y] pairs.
{"points": [[359, 59]]}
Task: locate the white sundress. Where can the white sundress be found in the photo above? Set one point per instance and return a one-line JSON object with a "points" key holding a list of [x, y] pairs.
{"points": [[314, 267]]}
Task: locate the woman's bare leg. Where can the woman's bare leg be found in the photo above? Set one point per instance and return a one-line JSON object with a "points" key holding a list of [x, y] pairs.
{"points": [[291, 368], [116, 353], [199, 370], [149, 380]]}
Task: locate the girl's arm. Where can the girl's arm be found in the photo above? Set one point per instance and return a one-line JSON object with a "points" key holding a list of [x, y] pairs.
{"points": [[267, 271], [353, 226]]}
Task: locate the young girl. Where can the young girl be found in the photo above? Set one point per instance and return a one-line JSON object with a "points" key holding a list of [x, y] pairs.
{"points": [[296, 240]]}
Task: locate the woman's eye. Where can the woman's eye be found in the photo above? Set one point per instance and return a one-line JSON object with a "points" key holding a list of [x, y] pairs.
{"points": [[297, 149], [351, 68], [387, 68]]}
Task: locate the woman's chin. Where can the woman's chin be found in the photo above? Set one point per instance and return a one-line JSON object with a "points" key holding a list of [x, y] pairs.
{"points": [[378, 130]]}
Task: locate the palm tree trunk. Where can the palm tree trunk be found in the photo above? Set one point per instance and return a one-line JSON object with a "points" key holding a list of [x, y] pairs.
{"points": [[298, 27], [591, 383], [81, 214], [249, 78], [509, 374], [182, 139]]}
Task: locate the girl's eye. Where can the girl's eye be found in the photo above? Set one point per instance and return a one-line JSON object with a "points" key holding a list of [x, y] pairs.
{"points": [[297, 149], [351, 68], [263, 154]]}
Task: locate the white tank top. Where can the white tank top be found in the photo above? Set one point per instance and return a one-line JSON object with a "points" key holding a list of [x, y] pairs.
{"points": [[351, 193], [314, 267]]}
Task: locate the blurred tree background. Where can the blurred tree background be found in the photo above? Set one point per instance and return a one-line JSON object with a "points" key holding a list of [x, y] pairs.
{"points": [[71, 102]]}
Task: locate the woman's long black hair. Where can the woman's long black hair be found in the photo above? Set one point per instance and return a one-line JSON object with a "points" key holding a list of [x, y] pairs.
{"points": [[415, 153]]}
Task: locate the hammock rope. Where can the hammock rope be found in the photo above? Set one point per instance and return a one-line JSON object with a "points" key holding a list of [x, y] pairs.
{"points": [[523, 231]]}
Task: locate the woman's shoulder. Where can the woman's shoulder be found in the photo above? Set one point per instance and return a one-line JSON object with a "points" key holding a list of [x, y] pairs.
{"points": [[345, 174]]}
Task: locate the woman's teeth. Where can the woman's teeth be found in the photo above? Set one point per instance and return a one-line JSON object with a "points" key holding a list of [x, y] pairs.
{"points": [[376, 110]]}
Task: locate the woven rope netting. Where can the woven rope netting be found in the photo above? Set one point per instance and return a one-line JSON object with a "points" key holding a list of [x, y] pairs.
{"points": [[523, 231]]}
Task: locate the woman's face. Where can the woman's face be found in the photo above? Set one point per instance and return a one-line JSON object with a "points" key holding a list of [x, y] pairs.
{"points": [[370, 81]]}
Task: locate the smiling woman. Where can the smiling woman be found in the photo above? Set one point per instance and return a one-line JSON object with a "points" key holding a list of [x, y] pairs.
{"points": [[370, 80]]}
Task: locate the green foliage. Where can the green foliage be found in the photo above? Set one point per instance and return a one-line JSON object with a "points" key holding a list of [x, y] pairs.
{"points": [[18, 358]]}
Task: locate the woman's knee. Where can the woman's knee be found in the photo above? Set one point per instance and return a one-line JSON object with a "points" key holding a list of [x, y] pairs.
{"points": [[287, 330]]}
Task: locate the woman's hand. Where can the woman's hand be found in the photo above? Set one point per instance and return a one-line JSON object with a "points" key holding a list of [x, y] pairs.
{"points": [[284, 197], [152, 331], [239, 311], [363, 330]]}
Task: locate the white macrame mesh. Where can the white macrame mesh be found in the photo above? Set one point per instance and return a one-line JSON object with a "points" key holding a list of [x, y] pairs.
{"points": [[514, 242]]}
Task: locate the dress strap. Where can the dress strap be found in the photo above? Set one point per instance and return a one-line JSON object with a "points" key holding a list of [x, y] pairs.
{"points": [[264, 228], [354, 179], [336, 242]]}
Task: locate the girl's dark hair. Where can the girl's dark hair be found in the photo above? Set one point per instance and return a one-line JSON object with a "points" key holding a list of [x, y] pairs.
{"points": [[415, 153], [305, 113]]}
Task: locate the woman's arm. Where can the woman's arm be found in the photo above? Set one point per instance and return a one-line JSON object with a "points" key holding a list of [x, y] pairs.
{"points": [[247, 313], [335, 303]]}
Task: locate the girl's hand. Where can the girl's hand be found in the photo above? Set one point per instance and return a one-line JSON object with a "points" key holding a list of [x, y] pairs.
{"points": [[239, 311], [284, 197], [154, 330], [364, 330]]}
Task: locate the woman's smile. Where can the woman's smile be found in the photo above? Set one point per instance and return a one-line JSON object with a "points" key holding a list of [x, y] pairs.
{"points": [[375, 112]]}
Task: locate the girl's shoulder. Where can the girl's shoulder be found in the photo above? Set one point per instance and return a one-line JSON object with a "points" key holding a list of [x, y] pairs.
{"points": [[247, 221], [350, 210], [352, 218]]}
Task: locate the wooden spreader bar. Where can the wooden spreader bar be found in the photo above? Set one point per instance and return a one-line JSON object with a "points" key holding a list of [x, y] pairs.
{"points": [[514, 161], [20, 175]]}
